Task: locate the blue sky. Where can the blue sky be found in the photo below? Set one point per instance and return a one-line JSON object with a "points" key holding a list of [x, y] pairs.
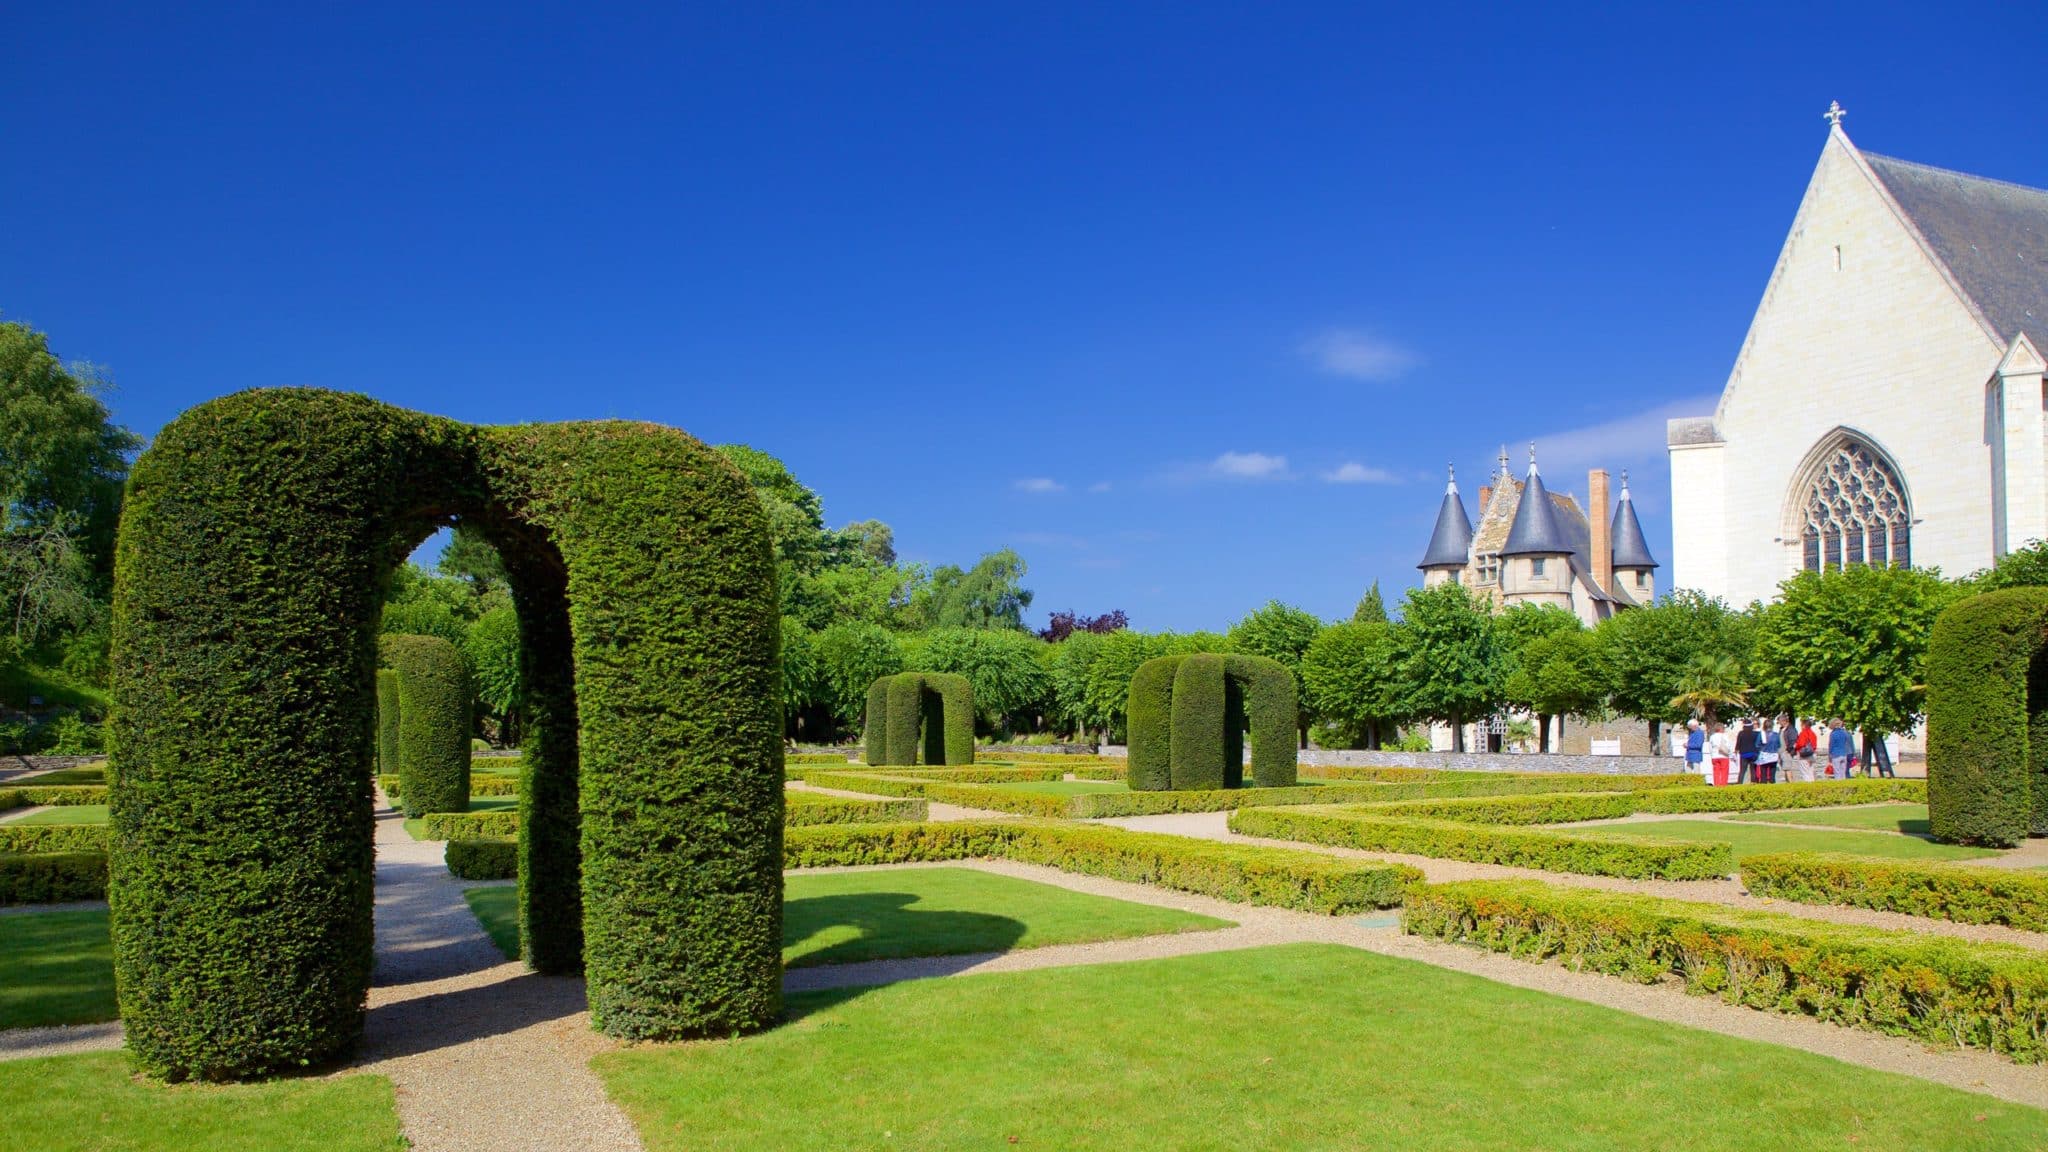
{"points": [[1189, 304]]}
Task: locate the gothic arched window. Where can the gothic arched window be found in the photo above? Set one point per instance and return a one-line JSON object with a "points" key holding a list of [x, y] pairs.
{"points": [[1853, 509]]}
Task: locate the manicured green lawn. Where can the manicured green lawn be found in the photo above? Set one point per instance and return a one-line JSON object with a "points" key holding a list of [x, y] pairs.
{"points": [[1299, 1046], [1064, 787], [1753, 839], [417, 828], [95, 1102], [67, 814], [55, 968], [1908, 818], [844, 917]]}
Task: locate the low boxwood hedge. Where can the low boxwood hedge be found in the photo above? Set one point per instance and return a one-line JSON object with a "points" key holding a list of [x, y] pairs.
{"points": [[27, 838], [1765, 797], [484, 859], [1637, 858], [1944, 891], [52, 795], [469, 825], [1935, 989], [478, 786], [52, 877], [816, 758], [1572, 807], [805, 808], [1246, 874]]}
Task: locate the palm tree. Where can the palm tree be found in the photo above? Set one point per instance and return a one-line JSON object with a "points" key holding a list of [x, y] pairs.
{"points": [[1710, 683]]}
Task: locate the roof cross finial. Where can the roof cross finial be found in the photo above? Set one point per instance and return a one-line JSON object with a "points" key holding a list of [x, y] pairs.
{"points": [[1503, 460], [1834, 114], [1532, 455], [1453, 485]]}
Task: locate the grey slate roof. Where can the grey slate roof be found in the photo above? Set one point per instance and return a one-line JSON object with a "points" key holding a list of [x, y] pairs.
{"points": [[1993, 237], [1630, 549], [1450, 546], [1535, 530]]}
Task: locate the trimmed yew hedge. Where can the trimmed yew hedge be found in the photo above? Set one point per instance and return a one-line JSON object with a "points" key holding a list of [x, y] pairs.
{"points": [[469, 825], [1935, 989], [1572, 807], [810, 808], [433, 722], [492, 859], [387, 724], [1634, 857], [28, 838], [1187, 714], [256, 536], [1940, 890], [1987, 719], [1245, 874], [52, 795], [478, 786], [923, 718], [52, 877]]}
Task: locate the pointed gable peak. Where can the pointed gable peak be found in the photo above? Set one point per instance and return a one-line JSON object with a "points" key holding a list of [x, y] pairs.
{"points": [[1535, 531], [1631, 550]]}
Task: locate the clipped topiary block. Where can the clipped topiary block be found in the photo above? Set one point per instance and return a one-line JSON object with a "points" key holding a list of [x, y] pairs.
{"points": [[920, 717], [1187, 719], [1987, 719], [387, 723], [433, 722]]}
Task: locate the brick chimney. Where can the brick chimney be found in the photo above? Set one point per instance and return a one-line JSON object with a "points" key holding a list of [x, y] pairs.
{"points": [[1597, 513], [1485, 497]]}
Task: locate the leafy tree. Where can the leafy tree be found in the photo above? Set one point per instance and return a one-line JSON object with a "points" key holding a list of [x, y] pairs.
{"points": [[1352, 676], [470, 557], [423, 604], [1521, 624], [1645, 653], [62, 457], [869, 539], [1712, 683], [1372, 609], [1068, 664], [1061, 625], [2021, 567], [1852, 642], [851, 656], [1283, 633], [802, 677], [1116, 660], [492, 647], [1556, 673], [1012, 686], [989, 595], [48, 584], [1449, 657]]}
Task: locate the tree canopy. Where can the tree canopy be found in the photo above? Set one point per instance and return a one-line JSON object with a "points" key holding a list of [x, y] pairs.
{"points": [[1852, 642]]}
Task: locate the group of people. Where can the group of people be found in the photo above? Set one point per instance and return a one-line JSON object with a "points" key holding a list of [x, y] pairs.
{"points": [[1759, 748]]}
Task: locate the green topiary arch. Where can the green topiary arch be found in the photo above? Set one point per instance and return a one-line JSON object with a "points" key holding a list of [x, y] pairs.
{"points": [[935, 709], [258, 532], [433, 724], [1187, 717], [1987, 719]]}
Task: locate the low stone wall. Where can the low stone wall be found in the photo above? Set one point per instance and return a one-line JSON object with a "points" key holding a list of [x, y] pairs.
{"points": [[1482, 762]]}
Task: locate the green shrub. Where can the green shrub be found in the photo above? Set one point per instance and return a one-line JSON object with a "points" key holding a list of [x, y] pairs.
{"points": [[1934, 989], [1245, 874], [808, 808], [1012, 800], [469, 825], [1188, 714], [1765, 797], [1942, 891], [937, 705], [1572, 807], [1987, 719], [1637, 858], [30, 838], [387, 723], [52, 795], [815, 758], [1565, 808], [483, 859], [52, 877], [1101, 805], [256, 534], [434, 697]]}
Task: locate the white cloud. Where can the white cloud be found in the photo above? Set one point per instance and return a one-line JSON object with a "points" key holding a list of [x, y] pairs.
{"points": [[1632, 439], [1099, 486], [1352, 472], [1039, 484], [1358, 354], [1248, 465]]}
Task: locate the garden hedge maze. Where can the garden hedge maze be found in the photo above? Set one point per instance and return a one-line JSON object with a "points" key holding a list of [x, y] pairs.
{"points": [[1987, 719], [920, 718], [1188, 716], [259, 531]]}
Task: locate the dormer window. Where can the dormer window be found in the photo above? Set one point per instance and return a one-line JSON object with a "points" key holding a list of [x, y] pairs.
{"points": [[1642, 578], [1536, 567]]}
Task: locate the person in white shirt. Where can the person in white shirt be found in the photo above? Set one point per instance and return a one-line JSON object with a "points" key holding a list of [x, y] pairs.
{"points": [[1720, 753]]}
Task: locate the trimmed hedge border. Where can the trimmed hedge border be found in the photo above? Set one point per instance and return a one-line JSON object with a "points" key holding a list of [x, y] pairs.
{"points": [[52, 877], [469, 825], [1987, 757], [433, 722], [806, 809], [52, 795], [33, 838], [1940, 890], [1632, 857], [1935, 989], [478, 786], [1573, 807], [483, 859], [1240, 873]]}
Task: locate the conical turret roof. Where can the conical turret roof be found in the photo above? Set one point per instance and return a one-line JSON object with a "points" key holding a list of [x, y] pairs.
{"points": [[1630, 549], [1450, 546], [1535, 531]]}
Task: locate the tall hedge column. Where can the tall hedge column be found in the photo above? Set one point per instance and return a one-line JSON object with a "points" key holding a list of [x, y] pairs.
{"points": [[1987, 719], [433, 722], [387, 723]]}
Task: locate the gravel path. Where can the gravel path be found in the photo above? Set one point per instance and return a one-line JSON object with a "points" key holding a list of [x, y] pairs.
{"points": [[18, 813], [60, 1040], [1215, 826], [484, 1054]]}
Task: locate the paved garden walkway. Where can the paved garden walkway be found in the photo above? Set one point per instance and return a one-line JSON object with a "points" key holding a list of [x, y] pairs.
{"points": [[483, 1053]]}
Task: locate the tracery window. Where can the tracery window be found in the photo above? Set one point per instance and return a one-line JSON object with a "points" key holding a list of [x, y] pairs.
{"points": [[1855, 512]]}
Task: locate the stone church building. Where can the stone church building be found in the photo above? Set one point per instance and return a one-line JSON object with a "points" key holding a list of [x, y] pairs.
{"points": [[1887, 403], [1534, 546]]}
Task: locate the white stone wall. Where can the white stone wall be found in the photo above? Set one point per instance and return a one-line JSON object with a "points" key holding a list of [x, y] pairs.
{"points": [[1858, 329]]}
